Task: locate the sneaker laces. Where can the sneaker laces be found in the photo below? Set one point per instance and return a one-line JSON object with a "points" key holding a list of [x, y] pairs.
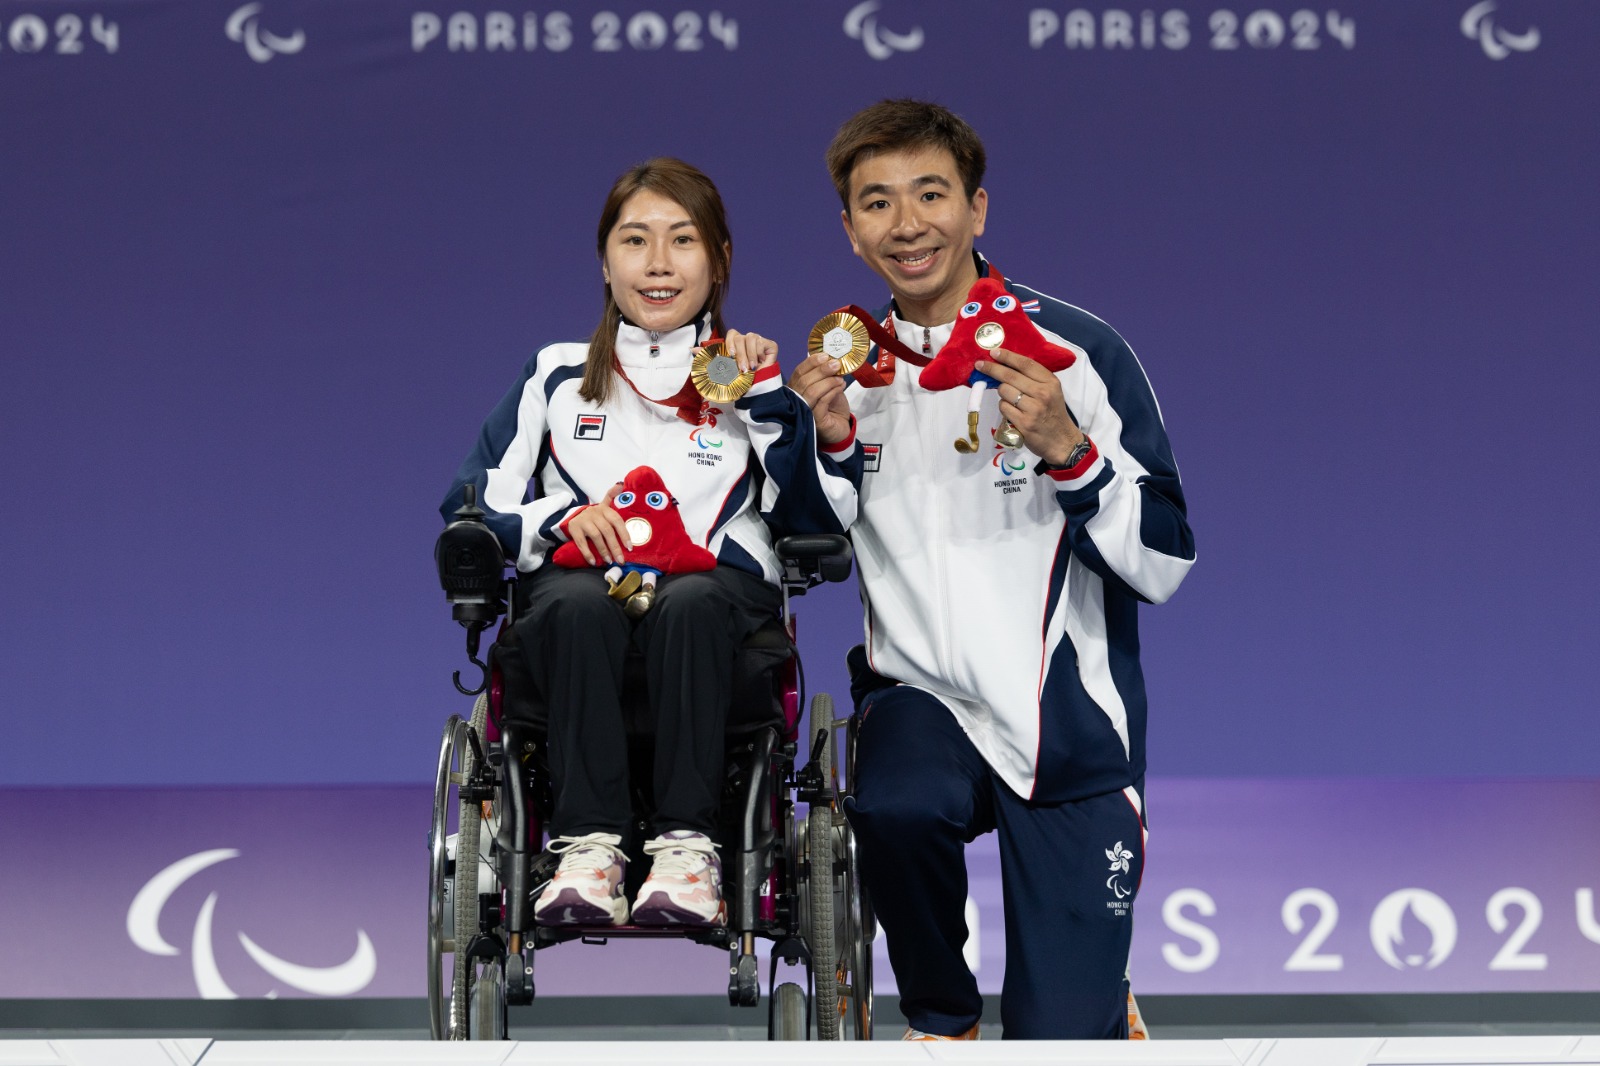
{"points": [[680, 857], [592, 851]]}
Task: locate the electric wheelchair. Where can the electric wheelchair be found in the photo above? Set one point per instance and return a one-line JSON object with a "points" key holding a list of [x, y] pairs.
{"points": [[788, 879]]}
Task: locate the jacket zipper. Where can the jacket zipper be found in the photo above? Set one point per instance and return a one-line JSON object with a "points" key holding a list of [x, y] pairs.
{"points": [[939, 575]]}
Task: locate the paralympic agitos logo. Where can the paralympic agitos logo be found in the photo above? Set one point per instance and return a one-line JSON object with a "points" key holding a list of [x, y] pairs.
{"points": [[144, 929]]}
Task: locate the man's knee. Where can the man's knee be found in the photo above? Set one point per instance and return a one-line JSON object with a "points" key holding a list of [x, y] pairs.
{"points": [[893, 819], [917, 777]]}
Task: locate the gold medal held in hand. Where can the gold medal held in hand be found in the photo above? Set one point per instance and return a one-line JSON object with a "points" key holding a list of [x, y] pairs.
{"points": [[841, 336], [716, 374]]}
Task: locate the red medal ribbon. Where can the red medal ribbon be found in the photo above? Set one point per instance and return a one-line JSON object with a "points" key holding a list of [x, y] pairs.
{"points": [[877, 375], [691, 406], [890, 347]]}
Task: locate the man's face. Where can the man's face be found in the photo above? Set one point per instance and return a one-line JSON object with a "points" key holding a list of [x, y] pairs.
{"points": [[909, 219]]}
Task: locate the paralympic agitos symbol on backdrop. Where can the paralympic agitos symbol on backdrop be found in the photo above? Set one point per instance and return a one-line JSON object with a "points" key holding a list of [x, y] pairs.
{"points": [[862, 24], [1477, 25], [144, 929], [262, 45]]}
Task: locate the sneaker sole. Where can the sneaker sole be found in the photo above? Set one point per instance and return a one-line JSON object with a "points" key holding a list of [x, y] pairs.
{"points": [[660, 910], [571, 908]]}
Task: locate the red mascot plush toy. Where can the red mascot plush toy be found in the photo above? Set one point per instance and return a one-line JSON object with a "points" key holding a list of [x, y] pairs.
{"points": [[991, 318], [659, 542]]}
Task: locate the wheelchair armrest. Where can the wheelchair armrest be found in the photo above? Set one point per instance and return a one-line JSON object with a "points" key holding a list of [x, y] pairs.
{"points": [[471, 565], [812, 558]]}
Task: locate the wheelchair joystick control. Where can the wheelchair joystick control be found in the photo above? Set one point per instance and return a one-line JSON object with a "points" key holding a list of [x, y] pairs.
{"points": [[471, 571], [471, 564]]}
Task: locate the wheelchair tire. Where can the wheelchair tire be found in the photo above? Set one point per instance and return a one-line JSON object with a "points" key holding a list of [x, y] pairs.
{"points": [[859, 932], [788, 1012], [442, 930], [820, 934], [488, 1002], [467, 910], [859, 925]]}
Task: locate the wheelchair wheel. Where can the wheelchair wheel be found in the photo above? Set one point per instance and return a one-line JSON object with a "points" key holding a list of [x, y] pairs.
{"points": [[442, 927], [476, 985], [858, 932], [858, 927], [820, 877], [788, 1012], [487, 1001]]}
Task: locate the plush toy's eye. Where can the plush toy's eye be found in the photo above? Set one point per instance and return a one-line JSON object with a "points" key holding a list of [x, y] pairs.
{"points": [[1005, 303], [624, 499], [971, 309], [658, 500]]}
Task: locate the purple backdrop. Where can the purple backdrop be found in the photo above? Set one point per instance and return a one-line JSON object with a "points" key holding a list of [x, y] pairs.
{"points": [[264, 268], [253, 312]]}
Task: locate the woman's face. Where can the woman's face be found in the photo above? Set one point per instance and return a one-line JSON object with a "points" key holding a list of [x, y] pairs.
{"points": [[656, 263]]}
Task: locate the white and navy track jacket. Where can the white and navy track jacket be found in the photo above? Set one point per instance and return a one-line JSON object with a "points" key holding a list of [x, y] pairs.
{"points": [[545, 452], [1010, 591]]}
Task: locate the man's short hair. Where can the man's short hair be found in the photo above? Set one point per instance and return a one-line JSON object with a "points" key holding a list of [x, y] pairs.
{"points": [[896, 125]]}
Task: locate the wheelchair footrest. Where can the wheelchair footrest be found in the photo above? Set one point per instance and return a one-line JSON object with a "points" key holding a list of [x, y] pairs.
{"points": [[519, 981], [744, 980], [544, 936]]}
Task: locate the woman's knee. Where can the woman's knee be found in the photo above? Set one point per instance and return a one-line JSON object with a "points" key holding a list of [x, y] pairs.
{"points": [[691, 592], [574, 612]]}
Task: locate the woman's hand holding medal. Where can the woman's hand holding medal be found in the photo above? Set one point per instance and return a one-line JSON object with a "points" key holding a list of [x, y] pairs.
{"points": [[724, 370], [750, 350]]}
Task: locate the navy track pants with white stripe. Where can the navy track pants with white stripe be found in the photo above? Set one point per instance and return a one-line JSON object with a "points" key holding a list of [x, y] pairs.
{"points": [[922, 793]]}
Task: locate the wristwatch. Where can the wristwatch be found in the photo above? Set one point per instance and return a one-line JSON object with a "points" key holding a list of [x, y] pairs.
{"points": [[1077, 455]]}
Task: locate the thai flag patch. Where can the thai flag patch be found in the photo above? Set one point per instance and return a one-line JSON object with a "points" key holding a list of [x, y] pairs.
{"points": [[1031, 306], [870, 456], [590, 427]]}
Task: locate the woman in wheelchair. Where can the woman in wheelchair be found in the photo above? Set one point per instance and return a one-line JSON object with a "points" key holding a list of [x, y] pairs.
{"points": [[710, 478]]}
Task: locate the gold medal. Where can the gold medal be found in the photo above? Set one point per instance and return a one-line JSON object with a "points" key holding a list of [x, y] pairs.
{"points": [[990, 336], [841, 336], [716, 374]]}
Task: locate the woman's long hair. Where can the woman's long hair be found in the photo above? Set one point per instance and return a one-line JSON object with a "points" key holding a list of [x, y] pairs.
{"points": [[691, 190]]}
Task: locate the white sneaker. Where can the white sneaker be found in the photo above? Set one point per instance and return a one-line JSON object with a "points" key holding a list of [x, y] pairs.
{"points": [[1137, 1030], [587, 887], [685, 882]]}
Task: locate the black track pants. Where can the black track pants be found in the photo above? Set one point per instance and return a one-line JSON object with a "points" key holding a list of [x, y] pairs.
{"points": [[576, 639]]}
